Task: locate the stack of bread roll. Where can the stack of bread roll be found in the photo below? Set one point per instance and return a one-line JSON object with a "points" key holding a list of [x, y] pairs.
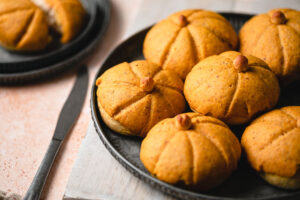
{"points": [[193, 55]]}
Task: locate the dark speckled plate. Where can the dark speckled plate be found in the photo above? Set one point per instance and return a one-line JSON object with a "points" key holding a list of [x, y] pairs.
{"points": [[244, 184], [21, 67]]}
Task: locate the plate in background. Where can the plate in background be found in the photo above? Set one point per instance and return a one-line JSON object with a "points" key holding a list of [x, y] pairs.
{"points": [[19, 68], [243, 184]]}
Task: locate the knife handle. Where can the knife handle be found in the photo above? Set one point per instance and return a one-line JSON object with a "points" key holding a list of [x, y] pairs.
{"points": [[38, 182]]}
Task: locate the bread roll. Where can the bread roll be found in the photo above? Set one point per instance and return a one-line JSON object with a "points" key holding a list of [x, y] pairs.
{"points": [[23, 26], [65, 16], [231, 87], [275, 38], [191, 149], [133, 97], [184, 38], [271, 143]]}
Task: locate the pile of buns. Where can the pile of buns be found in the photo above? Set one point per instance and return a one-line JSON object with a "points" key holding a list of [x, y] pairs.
{"points": [[192, 55], [25, 25]]}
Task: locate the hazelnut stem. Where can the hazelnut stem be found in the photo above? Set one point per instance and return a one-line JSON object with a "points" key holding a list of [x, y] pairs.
{"points": [[278, 18], [241, 63], [147, 84], [182, 21], [98, 81], [298, 122], [183, 122]]}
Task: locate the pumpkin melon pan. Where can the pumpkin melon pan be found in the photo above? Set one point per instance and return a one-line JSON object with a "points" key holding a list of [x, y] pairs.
{"points": [[186, 37], [231, 87], [275, 38], [198, 150], [271, 143], [132, 97], [23, 26]]}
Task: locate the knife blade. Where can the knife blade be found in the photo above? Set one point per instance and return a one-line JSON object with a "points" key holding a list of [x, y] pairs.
{"points": [[66, 120]]}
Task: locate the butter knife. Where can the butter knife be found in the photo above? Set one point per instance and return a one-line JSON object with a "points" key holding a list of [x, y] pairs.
{"points": [[66, 120]]}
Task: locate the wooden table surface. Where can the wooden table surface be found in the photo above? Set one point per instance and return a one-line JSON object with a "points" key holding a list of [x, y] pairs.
{"points": [[28, 115]]}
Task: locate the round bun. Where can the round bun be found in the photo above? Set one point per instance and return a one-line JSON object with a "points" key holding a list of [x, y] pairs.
{"points": [[275, 38], [271, 143], [65, 16], [231, 87], [23, 26], [132, 97], [196, 150], [186, 37]]}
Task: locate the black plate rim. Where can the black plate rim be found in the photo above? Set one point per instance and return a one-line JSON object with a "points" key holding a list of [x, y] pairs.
{"points": [[171, 190], [73, 59]]}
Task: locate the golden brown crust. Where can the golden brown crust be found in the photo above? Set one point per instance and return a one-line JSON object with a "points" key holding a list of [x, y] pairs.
{"points": [[69, 16], [123, 97], [202, 156], [271, 142], [7, 6], [186, 37], [276, 40], [215, 87], [23, 26]]}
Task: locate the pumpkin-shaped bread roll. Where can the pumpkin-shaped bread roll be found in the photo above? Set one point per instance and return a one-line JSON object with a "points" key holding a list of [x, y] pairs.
{"points": [[271, 143], [65, 16], [23, 26], [231, 87], [133, 97], [275, 38], [186, 37], [193, 149]]}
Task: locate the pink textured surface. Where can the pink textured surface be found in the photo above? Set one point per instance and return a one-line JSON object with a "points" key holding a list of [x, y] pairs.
{"points": [[28, 116], [27, 121]]}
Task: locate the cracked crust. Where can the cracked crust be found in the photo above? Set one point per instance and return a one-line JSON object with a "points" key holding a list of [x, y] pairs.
{"points": [[271, 143], [23, 26], [128, 108], [215, 88], [201, 157], [180, 47], [276, 44]]}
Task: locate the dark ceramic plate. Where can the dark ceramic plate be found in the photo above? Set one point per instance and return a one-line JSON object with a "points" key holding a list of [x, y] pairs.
{"points": [[16, 68], [244, 184]]}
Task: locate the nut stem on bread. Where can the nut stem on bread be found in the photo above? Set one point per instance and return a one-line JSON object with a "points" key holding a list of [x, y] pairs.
{"points": [[147, 84], [183, 122], [278, 18], [241, 63], [198, 158], [182, 21], [175, 43]]}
